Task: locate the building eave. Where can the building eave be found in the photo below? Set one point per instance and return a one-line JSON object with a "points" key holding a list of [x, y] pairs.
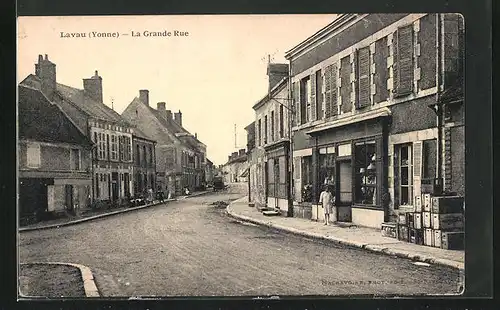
{"points": [[336, 24], [278, 87]]}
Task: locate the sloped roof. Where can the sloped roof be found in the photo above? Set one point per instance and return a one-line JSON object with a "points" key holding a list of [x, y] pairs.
{"points": [[88, 105], [41, 120], [138, 133]]}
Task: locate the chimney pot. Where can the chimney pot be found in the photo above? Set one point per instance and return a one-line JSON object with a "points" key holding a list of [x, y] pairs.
{"points": [[160, 106], [93, 87], [46, 57], [40, 58], [96, 73]]}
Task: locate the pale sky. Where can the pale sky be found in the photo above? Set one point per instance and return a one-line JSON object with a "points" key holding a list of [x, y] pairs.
{"points": [[214, 75]]}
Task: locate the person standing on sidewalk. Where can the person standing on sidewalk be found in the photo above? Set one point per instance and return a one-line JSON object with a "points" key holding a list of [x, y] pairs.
{"points": [[326, 199]]}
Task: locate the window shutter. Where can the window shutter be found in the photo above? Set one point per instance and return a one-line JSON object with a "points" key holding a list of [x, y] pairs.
{"points": [[328, 91], [333, 90], [363, 77], [417, 167], [297, 182], [403, 71], [313, 97], [296, 102]]}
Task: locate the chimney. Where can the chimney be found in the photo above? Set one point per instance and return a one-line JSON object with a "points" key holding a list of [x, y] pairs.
{"points": [[276, 73], [45, 70], [229, 158], [241, 152], [178, 117], [160, 106], [169, 115], [93, 87], [144, 96], [196, 135]]}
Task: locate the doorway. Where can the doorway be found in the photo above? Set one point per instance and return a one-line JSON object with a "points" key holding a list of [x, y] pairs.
{"points": [[68, 189], [114, 186], [344, 190]]}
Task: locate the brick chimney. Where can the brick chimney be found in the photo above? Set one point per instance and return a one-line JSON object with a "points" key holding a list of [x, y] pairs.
{"points": [[144, 96], [93, 87], [229, 157], [241, 152], [169, 115], [196, 135], [160, 106], [45, 70], [178, 117], [276, 73]]}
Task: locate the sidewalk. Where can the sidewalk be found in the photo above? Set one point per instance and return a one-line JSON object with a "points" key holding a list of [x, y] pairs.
{"points": [[361, 237], [84, 217]]}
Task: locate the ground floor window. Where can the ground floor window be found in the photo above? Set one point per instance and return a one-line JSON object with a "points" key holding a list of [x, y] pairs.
{"points": [[307, 179], [365, 159]]}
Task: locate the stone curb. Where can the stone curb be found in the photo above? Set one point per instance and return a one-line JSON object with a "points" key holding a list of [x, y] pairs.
{"points": [[366, 246], [90, 218], [197, 194], [87, 277]]}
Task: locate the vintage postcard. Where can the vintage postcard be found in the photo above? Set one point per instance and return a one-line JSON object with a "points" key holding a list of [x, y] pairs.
{"points": [[241, 155]]}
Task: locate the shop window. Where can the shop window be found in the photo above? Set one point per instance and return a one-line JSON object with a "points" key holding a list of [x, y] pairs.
{"points": [[366, 173], [326, 169], [307, 179], [403, 166]]}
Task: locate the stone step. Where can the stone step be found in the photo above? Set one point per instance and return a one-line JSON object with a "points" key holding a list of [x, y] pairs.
{"points": [[270, 213]]}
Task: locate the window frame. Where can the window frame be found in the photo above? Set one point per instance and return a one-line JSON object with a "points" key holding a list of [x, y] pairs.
{"points": [[409, 166], [362, 180], [30, 161]]}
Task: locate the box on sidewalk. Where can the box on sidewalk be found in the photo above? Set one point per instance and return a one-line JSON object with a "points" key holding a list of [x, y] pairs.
{"points": [[416, 236], [403, 233], [426, 201], [447, 221], [389, 230], [402, 219], [452, 240], [410, 220], [428, 237], [447, 204], [426, 219], [437, 238], [417, 220], [418, 204]]}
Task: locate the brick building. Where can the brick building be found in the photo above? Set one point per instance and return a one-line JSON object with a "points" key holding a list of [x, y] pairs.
{"points": [[54, 158], [180, 156], [365, 92], [112, 165], [144, 163]]}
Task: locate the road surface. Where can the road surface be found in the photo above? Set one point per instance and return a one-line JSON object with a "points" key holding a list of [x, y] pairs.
{"points": [[192, 248]]}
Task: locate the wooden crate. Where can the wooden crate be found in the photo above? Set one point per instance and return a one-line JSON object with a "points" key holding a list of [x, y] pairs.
{"points": [[426, 219], [418, 204], [447, 221], [428, 237], [403, 233], [390, 230], [447, 204], [410, 220], [426, 202], [417, 220], [416, 236], [452, 240]]}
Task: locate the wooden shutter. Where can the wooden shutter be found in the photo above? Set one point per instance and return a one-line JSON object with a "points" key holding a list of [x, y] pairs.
{"points": [[296, 102], [328, 91], [313, 97], [417, 167], [403, 60], [297, 181], [333, 90], [363, 77]]}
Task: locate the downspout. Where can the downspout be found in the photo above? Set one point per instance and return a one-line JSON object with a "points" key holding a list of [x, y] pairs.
{"points": [[291, 111], [438, 184]]}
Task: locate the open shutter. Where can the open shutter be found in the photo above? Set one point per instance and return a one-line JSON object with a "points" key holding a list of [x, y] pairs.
{"points": [[328, 91], [297, 181], [363, 77], [333, 90], [417, 168], [403, 61], [313, 97], [296, 103]]}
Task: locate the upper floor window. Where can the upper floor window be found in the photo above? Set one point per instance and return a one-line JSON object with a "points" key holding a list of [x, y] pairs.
{"points": [[305, 100], [33, 155], [272, 126], [330, 82], [265, 129], [363, 91], [102, 146], [281, 117], [114, 148], [137, 155], [144, 157], [151, 155], [75, 159], [403, 61], [259, 131]]}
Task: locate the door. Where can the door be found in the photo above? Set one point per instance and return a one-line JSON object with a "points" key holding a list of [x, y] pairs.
{"points": [[126, 184], [69, 197], [276, 176], [344, 190], [114, 186]]}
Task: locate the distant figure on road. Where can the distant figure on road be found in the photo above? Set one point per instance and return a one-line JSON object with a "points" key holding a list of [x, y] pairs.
{"points": [[326, 199]]}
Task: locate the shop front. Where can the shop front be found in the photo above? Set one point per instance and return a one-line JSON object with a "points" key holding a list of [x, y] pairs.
{"points": [[277, 156], [351, 159]]}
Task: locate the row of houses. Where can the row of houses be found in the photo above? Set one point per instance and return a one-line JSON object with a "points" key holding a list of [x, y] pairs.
{"points": [[75, 151], [371, 105]]}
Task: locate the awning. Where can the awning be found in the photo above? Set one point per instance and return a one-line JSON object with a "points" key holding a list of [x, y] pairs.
{"points": [[381, 112], [245, 173]]}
